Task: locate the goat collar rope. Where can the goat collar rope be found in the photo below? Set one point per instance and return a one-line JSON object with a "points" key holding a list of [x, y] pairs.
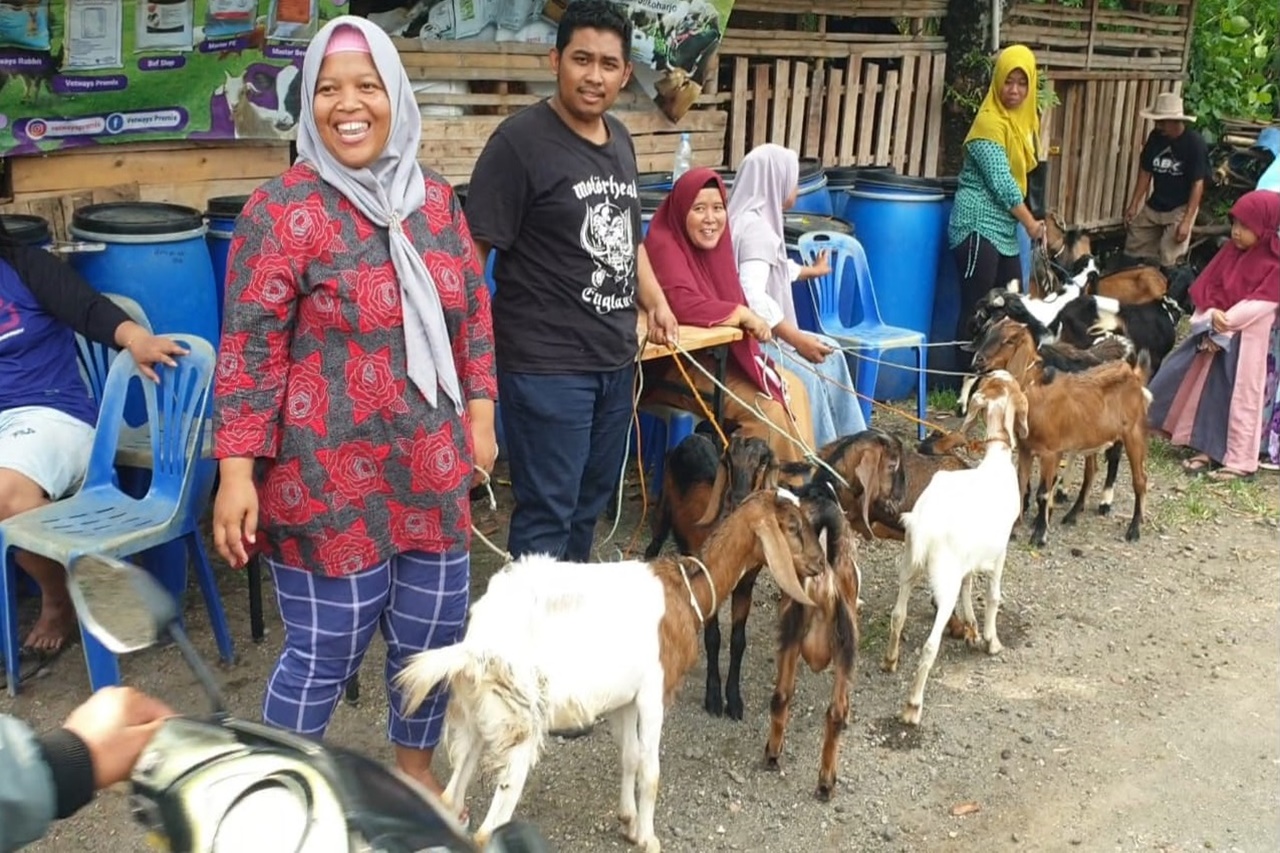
{"points": [[693, 599]]}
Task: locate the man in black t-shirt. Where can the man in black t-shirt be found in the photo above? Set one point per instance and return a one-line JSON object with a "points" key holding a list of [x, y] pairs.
{"points": [[1173, 165], [554, 193]]}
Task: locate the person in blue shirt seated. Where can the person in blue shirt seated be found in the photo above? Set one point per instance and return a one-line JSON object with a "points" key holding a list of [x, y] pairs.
{"points": [[47, 416]]}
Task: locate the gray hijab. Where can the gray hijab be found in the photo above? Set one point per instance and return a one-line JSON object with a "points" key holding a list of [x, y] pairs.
{"points": [[387, 192], [765, 178]]}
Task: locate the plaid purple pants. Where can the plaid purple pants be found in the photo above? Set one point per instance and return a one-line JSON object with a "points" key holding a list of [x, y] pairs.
{"points": [[418, 600]]}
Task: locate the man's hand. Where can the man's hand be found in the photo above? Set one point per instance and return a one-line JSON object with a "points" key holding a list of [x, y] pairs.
{"points": [[1183, 232], [1130, 212], [663, 327], [116, 723]]}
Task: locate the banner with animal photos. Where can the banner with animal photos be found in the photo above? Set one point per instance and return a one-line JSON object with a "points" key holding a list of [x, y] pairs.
{"points": [[88, 72], [672, 44]]}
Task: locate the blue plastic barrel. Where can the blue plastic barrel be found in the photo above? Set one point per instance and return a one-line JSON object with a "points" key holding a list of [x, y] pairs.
{"points": [[794, 225], [156, 255], [813, 196], [946, 303], [221, 217], [27, 230], [901, 229]]}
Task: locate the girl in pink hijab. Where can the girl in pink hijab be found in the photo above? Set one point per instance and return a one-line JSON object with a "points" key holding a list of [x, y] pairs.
{"points": [[1208, 394]]}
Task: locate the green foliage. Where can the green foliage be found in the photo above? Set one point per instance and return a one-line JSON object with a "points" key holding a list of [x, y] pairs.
{"points": [[1235, 62]]}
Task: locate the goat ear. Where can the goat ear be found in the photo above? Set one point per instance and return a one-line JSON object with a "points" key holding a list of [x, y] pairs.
{"points": [[717, 495], [777, 556], [867, 474]]}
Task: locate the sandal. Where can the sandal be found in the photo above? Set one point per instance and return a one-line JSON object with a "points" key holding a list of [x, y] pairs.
{"points": [[1197, 464], [1226, 475]]}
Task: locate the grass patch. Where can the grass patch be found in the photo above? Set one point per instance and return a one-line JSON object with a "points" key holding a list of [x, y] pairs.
{"points": [[1188, 500], [942, 400]]}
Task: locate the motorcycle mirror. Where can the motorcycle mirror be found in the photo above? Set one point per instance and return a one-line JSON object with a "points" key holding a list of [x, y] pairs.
{"points": [[517, 837], [123, 606], [126, 609]]}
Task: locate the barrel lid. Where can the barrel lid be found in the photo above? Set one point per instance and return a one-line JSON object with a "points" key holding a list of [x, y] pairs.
{"points": [[654, 180], [796, 224], [810, 169], [26, 230], [650, 199], [136, 217], [226, 205], [891, 180]]}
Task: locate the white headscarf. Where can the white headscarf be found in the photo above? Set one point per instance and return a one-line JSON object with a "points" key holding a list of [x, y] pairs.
{"points": [[763, 182], [387, 192]]}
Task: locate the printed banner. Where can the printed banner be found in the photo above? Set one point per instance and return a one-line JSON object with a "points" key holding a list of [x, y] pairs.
{"points": [[92, 72], [88, 72]]}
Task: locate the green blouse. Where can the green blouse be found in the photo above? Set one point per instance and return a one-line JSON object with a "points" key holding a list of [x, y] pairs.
{"points": [[985, 193]]}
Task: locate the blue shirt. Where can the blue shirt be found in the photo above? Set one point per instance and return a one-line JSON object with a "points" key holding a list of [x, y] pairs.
{"points": [[43, 303]]}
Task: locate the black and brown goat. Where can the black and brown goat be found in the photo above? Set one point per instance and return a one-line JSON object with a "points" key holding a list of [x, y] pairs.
{"points": [[824, 633], [1073, 413]]}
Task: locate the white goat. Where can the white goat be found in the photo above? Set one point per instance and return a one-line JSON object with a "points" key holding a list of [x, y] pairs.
{"points": [[555, 645], [959, 526]]}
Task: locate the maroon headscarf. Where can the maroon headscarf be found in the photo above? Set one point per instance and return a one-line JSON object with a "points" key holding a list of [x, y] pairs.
{"points": [[1234, 276], [701, 285]]}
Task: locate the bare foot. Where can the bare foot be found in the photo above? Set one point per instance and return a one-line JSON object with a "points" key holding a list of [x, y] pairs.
{"points": [[56, 625]]}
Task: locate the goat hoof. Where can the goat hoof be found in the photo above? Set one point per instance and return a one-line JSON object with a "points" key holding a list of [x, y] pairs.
{"points": [[1133, 534], [911, 714], [1038, 539], [649, 845], [1104, 509], [734, 710], [889, 665], [994, 646], [972, 637], [1070, 519], [771, 762], [1060, 496], [825, 790], [713, 706]]}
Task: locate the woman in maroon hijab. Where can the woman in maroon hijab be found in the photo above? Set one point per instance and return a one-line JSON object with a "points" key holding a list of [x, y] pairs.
{"points": [[689, 246], [1208, 393]]}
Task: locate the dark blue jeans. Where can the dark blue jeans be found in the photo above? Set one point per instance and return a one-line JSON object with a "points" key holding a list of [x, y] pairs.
{"points": [[566, 435]]}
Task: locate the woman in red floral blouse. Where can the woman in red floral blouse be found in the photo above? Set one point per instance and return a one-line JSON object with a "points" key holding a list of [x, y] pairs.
{"points": [[354, 393]]}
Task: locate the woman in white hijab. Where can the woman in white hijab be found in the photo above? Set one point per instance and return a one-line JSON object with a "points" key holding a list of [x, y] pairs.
{"points": [[354, 393], [765, 186]]}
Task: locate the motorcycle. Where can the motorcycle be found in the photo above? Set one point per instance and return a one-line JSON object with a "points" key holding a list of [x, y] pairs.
{"points": [[226, 785]]}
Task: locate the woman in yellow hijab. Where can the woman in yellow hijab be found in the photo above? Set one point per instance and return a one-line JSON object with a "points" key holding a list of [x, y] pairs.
{"points": [[999, 152]]}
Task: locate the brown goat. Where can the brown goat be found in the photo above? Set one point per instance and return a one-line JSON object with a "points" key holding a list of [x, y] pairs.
{"points": [[936, 453], [698, 492], [824, 633], [1135, 286], [1073, 413]]}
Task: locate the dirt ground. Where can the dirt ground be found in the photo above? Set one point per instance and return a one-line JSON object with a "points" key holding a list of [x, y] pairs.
{"points": [[1133, 708]]}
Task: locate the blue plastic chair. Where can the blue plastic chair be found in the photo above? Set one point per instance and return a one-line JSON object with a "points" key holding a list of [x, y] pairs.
{"points": [[661, 429], [847, 291], [100, 518]]}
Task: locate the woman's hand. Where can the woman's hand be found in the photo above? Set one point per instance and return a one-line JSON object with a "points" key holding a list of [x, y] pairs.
{"points": [[820, 266], [752, 323], [1218, 319], [812, 349], [484, 439], [235, 511]]}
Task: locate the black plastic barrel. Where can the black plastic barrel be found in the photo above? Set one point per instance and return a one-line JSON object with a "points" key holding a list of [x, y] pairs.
{"points": [[27, 230]]}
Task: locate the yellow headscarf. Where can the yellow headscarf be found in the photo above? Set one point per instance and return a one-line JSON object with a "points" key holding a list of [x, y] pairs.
{"points": [[1017, 131]]}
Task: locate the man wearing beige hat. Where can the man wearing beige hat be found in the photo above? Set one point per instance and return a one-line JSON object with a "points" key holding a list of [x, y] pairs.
{"points": [[1172, 167]]}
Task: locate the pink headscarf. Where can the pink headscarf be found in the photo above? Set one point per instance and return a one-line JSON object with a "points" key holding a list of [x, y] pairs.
{"points": [[701, 285], [1234, 276]]}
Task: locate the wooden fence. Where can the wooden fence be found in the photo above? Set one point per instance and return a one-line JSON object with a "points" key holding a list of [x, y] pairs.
{"points": [[1121, 35], [1094, 138], [843, 97]]}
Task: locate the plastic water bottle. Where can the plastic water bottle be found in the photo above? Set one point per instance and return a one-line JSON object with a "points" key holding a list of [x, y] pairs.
{"points": [[684, 158]]}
